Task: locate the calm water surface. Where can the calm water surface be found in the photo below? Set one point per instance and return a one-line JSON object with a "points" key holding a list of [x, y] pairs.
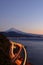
{"points": [[34, 50]]}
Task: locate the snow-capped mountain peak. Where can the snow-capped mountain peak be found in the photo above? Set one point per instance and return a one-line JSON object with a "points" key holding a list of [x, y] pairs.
{"points": [[15, 30]]}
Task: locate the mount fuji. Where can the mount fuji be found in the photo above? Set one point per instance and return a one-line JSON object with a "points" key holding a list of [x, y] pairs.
{"points": [[12, 32], [15, 30]]}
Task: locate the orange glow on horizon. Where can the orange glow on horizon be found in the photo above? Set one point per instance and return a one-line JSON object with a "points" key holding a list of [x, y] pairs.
{"points": [[33, 31]]}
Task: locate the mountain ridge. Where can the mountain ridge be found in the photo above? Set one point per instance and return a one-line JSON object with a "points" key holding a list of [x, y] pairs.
{"points": [[14, 32]]}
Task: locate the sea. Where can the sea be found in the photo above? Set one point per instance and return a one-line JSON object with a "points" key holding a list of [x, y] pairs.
{"points": [[34, 50]]}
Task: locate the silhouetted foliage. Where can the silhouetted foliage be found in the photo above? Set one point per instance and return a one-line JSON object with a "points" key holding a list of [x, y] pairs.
{"points": [[4, 51]]}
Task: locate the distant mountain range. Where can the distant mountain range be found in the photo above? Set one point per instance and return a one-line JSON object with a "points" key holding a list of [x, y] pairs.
{"points": [[12, 32]]}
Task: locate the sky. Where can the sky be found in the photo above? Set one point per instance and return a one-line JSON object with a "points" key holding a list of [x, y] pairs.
{"points": [[24, 15]]}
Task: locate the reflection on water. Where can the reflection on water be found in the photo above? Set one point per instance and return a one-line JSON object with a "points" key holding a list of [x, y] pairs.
{"points": [[34, 50]]}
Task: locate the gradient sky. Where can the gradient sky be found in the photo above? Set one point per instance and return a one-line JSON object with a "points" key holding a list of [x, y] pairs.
{"points": [[25, 15]]}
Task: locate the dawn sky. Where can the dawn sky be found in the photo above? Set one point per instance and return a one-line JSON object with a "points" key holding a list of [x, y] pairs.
{"points": [[24, 15]]}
